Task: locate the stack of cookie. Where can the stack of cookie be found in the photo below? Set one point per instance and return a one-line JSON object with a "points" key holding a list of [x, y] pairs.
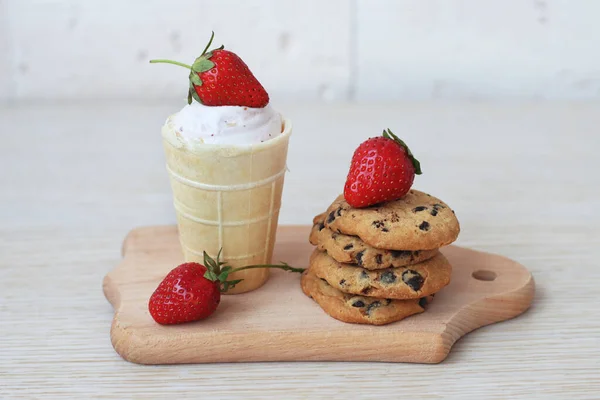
{"points": [[380, 264]]}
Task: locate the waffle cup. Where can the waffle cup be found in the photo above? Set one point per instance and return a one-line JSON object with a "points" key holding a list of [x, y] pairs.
{"points": [[228, 197]]}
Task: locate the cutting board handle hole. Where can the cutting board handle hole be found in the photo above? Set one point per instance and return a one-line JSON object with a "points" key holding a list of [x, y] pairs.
{"points": [[484, 275]]}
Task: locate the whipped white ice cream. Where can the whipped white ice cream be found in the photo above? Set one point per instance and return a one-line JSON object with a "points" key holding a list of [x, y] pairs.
{"points": [[197, 123]]}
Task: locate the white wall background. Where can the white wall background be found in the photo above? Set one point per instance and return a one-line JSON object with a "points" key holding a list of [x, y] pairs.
{"points": [[326, 50]]}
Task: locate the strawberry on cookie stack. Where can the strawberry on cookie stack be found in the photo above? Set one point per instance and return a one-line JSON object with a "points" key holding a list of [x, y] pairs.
{"points": [[377, 257]]}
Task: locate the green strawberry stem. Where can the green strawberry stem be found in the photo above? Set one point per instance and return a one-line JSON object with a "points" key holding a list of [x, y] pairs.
{"points": [[282, 266], [200, 65], [218, 271], [162, 61], [212, 36]]}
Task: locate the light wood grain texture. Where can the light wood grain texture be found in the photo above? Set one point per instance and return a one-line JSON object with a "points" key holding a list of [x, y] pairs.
{"points": [[522, 177], [279, 323]]}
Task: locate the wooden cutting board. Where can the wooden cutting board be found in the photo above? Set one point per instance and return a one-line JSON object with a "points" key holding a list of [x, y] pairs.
{"points": [[279, 323]]}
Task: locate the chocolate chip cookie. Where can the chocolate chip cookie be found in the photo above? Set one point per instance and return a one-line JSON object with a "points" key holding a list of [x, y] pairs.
{"points": [[417, 221], [410, 282], [358, 309], [350, 249]]}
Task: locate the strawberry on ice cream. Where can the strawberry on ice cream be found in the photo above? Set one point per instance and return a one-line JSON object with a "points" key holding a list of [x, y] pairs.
{"points": [[226, 153], [231, 106]]}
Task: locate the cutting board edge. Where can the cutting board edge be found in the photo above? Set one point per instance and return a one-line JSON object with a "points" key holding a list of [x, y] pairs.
{"points": [[520, 298], [134, 348]]}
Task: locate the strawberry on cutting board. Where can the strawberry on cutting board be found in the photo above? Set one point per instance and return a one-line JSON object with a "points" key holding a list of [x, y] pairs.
{"points": [[382, 169], [192, 291], [220, 78]]}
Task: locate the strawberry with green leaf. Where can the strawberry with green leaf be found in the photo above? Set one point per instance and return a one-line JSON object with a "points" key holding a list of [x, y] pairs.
{"points": [[220, 78], [382, 169], [192, 291]]}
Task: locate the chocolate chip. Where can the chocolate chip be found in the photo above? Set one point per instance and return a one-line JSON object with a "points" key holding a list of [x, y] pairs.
{"points": [[387, 277], [419, 208], [453, 212], [378, 259], [378, 224], [359, 257], [399, 253], [342, 282], [364, 275], [366, 290], [334, 235], [339, 212], [413, 279], [437, 205], [372, 306], [385, 230], [434, 212], [348, 246], [424, 226], [358, 303], [331, 217], [321, 226], [423, 302]]}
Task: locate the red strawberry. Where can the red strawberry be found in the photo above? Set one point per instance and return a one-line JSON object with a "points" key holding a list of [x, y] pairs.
{"points": [[192, 291], [382, 169], [184, 295], [220, 78]]}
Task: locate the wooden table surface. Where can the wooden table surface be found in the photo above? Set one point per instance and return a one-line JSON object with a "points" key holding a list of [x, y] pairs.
{"points": [[524, 180]]}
